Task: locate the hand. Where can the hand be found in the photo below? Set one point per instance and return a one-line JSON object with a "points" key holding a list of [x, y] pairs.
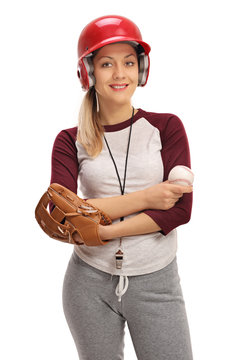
{"points": [[164, 196], [76, 237]]}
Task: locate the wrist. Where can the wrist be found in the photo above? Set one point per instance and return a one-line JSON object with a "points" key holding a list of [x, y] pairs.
{"points": [[144, 199], [104, 232]]}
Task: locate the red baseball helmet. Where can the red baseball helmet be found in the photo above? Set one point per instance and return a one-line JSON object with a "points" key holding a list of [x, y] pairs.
{"points": [[107, 30]]}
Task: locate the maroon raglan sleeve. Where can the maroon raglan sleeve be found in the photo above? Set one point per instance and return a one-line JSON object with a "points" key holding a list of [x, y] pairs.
{"points": [[64, 169], [175, 151]]}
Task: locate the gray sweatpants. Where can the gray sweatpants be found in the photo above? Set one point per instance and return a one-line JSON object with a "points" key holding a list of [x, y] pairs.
{"points": [[153, 307]]}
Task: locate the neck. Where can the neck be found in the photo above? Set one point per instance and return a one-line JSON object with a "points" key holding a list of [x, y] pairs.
{"points": [[114, 114]]}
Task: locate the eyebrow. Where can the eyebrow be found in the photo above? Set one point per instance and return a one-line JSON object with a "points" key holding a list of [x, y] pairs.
{"points": [[109, 57]]}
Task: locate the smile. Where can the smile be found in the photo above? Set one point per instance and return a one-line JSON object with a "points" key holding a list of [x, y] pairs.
{"points": [[118, 87]]}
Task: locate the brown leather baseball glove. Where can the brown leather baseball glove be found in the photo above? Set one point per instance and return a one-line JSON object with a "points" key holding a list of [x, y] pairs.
{"points": [[71, 215]]}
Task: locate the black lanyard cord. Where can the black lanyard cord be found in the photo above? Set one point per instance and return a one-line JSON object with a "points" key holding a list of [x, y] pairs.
{"points": [[126, 160]]}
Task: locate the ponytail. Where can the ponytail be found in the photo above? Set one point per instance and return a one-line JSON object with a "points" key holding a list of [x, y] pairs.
{"points": [[90, 131]]}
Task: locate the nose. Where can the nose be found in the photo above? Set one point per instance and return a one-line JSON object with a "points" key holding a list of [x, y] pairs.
{"points": [[119, 72]]}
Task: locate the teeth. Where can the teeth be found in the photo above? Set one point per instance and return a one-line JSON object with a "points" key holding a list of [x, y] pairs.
{"points": [[119, 87]]}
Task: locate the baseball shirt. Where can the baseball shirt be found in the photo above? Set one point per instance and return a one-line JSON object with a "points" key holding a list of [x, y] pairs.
{"points": [[158, 143]]}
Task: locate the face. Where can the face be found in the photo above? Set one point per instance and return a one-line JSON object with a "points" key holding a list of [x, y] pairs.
{"points": [[116, 73]]}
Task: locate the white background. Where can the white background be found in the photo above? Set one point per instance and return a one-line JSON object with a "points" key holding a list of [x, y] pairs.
{"points": [[195, 75]]}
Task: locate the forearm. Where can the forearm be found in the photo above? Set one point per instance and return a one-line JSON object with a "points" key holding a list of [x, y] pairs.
{"points": [[121, 206], [136, 225]]}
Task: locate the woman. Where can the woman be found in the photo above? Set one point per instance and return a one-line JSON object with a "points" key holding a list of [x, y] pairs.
{"points": [[123, 156]]}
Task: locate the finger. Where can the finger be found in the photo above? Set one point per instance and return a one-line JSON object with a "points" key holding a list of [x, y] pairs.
{"points": [[172, 203], [175, 196], [189, 189], [180, 189]]}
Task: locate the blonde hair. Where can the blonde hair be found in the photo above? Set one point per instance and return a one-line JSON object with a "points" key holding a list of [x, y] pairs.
{"points": [[90, 131]]}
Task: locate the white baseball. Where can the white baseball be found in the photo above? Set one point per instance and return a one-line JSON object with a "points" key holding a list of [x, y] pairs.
{"points": [[181, 175]]}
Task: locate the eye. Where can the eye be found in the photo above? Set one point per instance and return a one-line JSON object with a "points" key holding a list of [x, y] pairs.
{"points": [[130, 63], [106, 64]]}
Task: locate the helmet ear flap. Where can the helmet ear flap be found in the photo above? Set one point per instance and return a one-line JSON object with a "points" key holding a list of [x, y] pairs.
{"points": [[81, 73], [83, 76], [87, 60], [143, 63], [85, 72]]}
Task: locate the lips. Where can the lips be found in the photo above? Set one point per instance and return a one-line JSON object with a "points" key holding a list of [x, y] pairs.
{"points": [[118, 87]]}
